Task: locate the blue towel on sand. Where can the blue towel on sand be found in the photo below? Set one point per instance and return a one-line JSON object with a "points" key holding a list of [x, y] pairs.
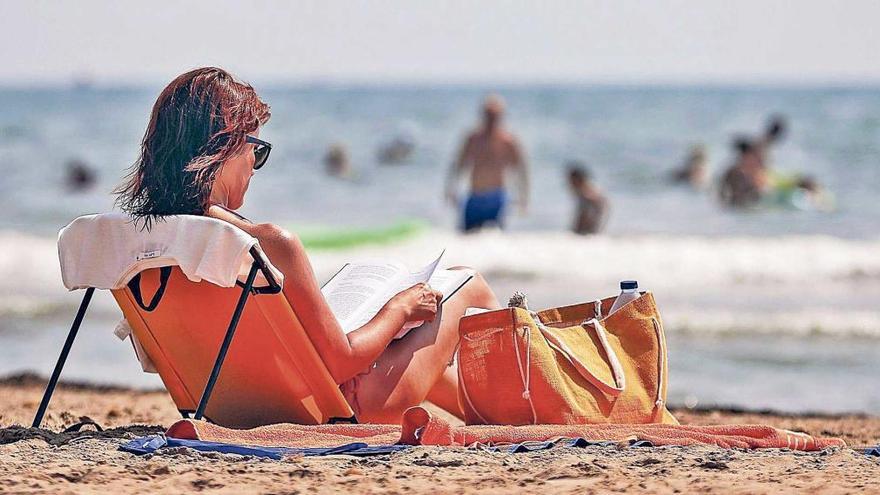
{"points": [[152, 443]]}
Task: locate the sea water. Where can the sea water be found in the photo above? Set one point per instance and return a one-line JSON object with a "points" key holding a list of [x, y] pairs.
{"points": [[773, 308]]}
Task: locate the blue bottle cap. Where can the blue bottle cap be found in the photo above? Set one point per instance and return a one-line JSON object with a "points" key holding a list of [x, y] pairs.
{"points": [[628, 284]]}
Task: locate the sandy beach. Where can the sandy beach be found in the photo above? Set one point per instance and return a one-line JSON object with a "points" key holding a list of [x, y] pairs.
{"points": [[39, 461], [721, 158]]}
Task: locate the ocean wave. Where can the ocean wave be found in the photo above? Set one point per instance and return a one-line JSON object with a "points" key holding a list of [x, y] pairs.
{"points": [[661, 261], [805, 285], [28, 265], [862, 323]]}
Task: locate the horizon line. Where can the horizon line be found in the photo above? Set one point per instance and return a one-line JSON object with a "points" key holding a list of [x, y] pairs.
{"points": [[270, 83]]}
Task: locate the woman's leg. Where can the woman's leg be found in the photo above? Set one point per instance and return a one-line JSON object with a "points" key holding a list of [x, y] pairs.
{"points": [[444, 394], [410, 368]]}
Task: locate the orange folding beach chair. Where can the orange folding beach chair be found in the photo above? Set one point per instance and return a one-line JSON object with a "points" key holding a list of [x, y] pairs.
{"points": [[235, 363]]}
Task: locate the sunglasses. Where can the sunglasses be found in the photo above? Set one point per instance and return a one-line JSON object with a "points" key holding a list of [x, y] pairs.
{"points": [[261, 151]]}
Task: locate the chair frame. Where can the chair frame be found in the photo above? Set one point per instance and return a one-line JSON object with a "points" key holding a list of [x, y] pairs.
{"points": [[248, 289]]}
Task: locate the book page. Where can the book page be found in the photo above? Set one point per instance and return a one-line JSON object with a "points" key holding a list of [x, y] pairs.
{"points": [[360, 290], [417, 277], [357, 289], [449, 281]]}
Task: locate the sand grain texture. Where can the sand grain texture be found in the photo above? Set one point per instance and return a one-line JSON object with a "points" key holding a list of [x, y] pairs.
{"points": [[88, 462]]}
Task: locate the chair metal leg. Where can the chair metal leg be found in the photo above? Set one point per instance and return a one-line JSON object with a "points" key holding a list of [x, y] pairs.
{"points": [[53, 381], [224, 347]]}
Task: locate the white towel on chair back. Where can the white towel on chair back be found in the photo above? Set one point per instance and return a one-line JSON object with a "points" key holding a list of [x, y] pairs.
{"points": [[106, 250]]}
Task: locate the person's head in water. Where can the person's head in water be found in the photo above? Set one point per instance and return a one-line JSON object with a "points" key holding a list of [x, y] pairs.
{"points": [[578, 175], [695, 169], [744, 146], [776, 128], [808, 183], [698, 153], [80, 175], [748, 153], [198, 149], [493, 111], [336, 161]]}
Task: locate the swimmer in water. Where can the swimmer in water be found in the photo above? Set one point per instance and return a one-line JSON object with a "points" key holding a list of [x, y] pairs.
{"points": [[592, 205], [694, 172], [336, 162], [80, 176], [397, 151], [746, 181], [776, 129]]}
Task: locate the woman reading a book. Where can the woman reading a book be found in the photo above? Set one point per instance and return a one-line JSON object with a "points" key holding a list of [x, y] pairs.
{"points": [[200, 150]]}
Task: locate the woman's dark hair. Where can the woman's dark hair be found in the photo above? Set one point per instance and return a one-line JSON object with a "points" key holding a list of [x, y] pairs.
{"points": [[199, 121]]}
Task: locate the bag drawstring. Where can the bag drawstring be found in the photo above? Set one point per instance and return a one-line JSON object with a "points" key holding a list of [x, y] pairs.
{"points": [[519, 300], [525, 375]]}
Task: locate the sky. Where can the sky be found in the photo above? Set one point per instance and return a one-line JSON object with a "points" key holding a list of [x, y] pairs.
{"points": [[428, 41]]}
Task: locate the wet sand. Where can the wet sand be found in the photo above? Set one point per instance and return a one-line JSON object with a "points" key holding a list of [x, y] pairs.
{"points": [[33, 461]]}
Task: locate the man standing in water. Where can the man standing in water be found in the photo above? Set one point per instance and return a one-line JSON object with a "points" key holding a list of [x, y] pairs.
{"points": [[489, 152]]}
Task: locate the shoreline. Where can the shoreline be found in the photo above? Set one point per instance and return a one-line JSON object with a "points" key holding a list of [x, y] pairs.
{"points": [[39, 461], [34, 379]]}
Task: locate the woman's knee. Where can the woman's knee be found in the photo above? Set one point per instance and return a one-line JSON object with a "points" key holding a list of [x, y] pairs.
{"points": [[477, 276], [479, 289]]}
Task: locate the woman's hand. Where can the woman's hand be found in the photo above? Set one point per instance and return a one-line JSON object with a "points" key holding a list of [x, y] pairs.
{"points": [[418, 303]]}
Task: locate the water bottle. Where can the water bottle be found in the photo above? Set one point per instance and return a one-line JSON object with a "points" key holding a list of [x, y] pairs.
{"points": [[629, 291]]}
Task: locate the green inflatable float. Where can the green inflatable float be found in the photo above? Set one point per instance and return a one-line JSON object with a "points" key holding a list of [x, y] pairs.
{"points": [[330, 238]]}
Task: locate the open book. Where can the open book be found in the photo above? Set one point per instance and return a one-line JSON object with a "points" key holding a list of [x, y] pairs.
{"points": [[359, 290]]}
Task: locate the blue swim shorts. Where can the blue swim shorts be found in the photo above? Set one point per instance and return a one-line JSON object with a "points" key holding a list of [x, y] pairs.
{"points": [[485, 207]]}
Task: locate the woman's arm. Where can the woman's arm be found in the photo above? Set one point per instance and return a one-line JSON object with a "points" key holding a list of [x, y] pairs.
{"points": [[344, 355]]}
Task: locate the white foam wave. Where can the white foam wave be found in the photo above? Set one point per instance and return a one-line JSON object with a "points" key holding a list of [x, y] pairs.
{"points": [[804, 285], [800, 284], [803, 322], [30, 279], [28, 265], [660, 261]]}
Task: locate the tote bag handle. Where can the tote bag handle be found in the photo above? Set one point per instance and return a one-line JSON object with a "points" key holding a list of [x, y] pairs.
{"points": [[612, 389]]}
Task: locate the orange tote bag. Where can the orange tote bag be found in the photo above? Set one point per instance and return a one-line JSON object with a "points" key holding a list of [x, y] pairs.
{"points": [[567, 365]]}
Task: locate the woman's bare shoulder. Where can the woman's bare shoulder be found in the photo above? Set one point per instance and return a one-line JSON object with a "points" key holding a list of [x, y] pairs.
{"points": [[272, 236], [262, 231], [271, 231]]}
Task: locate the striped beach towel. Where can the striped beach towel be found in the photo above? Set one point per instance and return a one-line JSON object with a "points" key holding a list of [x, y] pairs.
{"points": [[420, 427]]}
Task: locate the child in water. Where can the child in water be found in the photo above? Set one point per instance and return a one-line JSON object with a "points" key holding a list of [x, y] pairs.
{"points": [[694, 172], [592, 206]]}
